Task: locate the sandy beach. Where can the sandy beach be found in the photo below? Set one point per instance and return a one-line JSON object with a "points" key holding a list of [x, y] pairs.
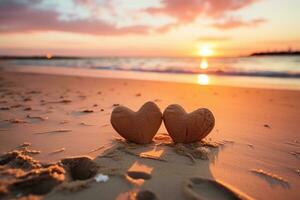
{"points": [[253, 152]]}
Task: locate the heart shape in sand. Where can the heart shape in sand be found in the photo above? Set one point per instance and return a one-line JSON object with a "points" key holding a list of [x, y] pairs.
{"points": [[139, 127], [188, 127]]}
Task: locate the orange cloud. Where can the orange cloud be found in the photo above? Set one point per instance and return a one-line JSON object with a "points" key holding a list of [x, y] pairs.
{"points": [[236, 23], [188, 10]]}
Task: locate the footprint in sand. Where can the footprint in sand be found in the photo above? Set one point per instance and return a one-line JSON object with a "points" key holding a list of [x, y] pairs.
{"points": [[145, 195], [80, 168], [197, 188], [22, 175], [139, 175], [39, 182]]}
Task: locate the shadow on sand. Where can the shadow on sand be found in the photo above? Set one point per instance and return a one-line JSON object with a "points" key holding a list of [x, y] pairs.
{"points": [[160, 170]]}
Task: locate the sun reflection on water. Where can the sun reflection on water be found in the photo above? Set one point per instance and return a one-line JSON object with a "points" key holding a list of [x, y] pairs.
{"points": [[204, 64], [203, 79]]}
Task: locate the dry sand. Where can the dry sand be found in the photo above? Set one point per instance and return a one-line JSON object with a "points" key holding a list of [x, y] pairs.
{"points": [[47, 118]]}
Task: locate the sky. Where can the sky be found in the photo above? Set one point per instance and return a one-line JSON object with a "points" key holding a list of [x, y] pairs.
{"points": [[148, 27]]}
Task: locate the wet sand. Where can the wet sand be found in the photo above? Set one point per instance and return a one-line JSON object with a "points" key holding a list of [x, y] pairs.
{"points": [[253, 151]]}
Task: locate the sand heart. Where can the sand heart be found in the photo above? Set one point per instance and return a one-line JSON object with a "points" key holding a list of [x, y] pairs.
{"points": [[188, 127], [139, 127]]}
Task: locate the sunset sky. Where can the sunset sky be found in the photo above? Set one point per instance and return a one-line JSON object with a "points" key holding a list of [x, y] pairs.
{"points": [[148, 27]]}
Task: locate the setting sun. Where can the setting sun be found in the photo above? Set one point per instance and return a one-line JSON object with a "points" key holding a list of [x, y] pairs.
{"points": [[206, 51]]}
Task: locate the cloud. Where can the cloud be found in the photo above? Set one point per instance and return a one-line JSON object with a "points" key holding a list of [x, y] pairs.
{"points": [[111, 17], [18, 17], [237, 23], [217, 8], [188, 10]]}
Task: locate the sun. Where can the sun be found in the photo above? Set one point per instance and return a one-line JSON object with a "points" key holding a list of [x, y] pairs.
{"points": [[206, 51]]}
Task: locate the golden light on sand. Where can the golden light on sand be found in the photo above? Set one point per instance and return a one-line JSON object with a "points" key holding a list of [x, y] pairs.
{"points": [[206, 51], [204, 64], [203, 79]]}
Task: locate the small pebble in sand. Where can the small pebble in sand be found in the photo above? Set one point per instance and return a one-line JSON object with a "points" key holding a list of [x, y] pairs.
{"points": [[34, 92], [65, 101], [101, 178], [267, 126], [101, 109], [27, 109], [87, 111], [138, 94], [27, 99], [85, 124], [298, 171], [4, 108], [116, 104], [16, 121], [37, 117], [250, 145], [95, 105], [99, 92], [16, 106], [56, 131]]}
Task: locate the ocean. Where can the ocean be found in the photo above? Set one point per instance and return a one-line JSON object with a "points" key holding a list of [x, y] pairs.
{"points": [[254, 71]]}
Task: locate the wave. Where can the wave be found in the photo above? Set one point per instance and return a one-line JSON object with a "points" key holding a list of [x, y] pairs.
{"points": [[276, 67], [273, 74]]}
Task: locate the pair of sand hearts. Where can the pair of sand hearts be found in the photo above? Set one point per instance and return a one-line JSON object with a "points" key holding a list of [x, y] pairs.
{"points": [[141, 126]]}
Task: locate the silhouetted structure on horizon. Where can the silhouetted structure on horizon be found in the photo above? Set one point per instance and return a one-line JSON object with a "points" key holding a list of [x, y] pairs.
{"points": [[289, 52]]}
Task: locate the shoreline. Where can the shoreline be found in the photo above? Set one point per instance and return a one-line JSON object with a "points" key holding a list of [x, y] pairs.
{"points": [[199, 79], [258, 129]]}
